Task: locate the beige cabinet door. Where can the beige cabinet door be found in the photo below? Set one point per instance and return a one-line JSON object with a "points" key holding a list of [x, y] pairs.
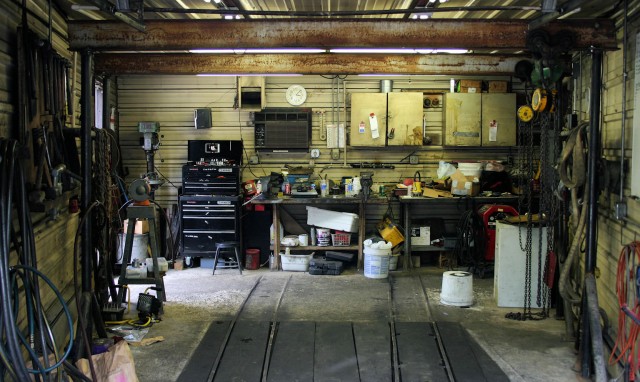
{"points": [[362, 106], [462, 119], [498, 119], [405, 119]]}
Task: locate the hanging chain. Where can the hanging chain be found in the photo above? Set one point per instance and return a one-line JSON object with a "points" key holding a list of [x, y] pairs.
{"points": [[549, 131]]}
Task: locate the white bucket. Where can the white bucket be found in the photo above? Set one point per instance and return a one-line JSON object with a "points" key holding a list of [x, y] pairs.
{"points": [[376, 263], [138, 249], [470, 169], [393, 262], [457, 288]]}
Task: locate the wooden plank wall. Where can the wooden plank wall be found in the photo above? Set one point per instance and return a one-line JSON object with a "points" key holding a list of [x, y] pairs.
{"points": [[171, 100], [54, 239], [612, 233]]}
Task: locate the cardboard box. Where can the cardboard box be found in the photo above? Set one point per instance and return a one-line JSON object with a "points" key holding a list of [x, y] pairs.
{"points": [[470, 86], [498, 86], [141, 227], [462, 185], [420, 235], [433, 193]]}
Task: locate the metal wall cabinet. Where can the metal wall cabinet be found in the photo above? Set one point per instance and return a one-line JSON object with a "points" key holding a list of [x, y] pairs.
{"points": [[362, 105], [399, 112], [405, 118], [462, 119], [501, 108], [486, 119]]}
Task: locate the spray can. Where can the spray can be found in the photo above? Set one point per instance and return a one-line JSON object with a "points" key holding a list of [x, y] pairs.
{"points": [[323, 188], [313, 235]]}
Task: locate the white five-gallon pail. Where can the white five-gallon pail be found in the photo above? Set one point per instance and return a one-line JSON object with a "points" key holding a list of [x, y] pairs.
{"points": [[376, 263], [138, 249], [457, 288]]}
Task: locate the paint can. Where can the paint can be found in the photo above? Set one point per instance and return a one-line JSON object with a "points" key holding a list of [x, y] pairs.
{"points": [[252, 258]]}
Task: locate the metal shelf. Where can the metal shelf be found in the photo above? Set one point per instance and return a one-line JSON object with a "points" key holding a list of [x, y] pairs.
{"points": [[321, 248], [427, 248]]}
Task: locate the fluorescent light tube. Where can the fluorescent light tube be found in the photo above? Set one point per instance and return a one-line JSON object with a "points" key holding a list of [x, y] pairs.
{"points": [[259, 50], [374, 50], [446, 50], [248, 75], [286, 50]]}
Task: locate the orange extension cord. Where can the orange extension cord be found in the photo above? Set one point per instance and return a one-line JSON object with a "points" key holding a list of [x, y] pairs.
{"points": [[625, 342]]}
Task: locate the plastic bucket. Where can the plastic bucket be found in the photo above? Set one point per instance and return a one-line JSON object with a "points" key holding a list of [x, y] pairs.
{"points": [[138, 249], [252, 258], [376, 263], [457, 288]]}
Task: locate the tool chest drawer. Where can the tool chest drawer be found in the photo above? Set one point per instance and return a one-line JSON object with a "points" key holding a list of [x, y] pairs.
{"points": [[207, 220]]}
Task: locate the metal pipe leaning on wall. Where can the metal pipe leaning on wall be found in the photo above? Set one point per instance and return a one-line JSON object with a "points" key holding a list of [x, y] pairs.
{"points": [[592, 173], [597, 342]]}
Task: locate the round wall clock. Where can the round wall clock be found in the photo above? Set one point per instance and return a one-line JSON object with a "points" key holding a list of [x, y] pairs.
{"points": [[296, 95]]}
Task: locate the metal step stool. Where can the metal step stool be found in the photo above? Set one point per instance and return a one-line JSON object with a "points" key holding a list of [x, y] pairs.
{"points": [[227, 245]]}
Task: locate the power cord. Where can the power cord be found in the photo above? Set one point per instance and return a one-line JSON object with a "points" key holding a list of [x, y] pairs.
{"points": [[20, 283]]}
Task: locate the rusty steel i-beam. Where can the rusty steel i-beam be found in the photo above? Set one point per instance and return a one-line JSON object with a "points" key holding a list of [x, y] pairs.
{"points": [[182, 35], [125, 63]]}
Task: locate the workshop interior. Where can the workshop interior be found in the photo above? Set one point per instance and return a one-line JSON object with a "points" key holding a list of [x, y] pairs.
{"points": [[267, 190]]}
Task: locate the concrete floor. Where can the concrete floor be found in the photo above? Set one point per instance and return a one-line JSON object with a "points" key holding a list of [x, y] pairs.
{"points": [[525, 350]]}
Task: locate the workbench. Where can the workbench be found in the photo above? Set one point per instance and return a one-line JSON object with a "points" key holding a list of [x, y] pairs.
{"points": [[411, 203], [320, 202]]}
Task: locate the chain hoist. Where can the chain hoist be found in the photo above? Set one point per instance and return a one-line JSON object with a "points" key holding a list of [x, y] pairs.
{"points": [[541, 180]]}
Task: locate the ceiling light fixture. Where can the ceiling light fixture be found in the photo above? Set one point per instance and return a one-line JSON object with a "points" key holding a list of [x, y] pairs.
{"points": [[79, 7], [421, 16], [571, 12]]}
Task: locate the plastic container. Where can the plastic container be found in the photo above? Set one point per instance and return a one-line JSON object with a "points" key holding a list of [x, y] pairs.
{"points": [[163, 265], [457, 288], [324, 189], [340, 221], [470, 169], [136, 272], [341, 239], [376, 263], [272, 233], [296, 263], [393, 262]]}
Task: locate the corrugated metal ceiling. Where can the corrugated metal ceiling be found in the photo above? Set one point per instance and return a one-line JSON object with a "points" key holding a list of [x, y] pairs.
{"points": [[257, 9]]}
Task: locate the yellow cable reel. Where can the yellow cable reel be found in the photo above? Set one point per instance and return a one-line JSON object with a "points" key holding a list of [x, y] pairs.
{"points": [[525, 113], [539, 100]]}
